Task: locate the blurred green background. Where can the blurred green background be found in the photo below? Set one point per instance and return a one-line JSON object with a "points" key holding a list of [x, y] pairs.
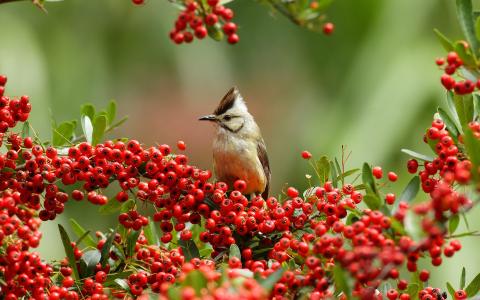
{"points": [[372, 86]]}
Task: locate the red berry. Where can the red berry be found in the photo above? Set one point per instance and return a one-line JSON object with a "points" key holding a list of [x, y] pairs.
{"points": [[181, 145], [328, 28], [138, 2], [233, 39], [3, 80], [306, 155], [392, 176], [460, 294], [377, 172]]}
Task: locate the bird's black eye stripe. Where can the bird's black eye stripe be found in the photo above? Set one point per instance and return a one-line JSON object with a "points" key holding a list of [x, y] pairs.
{"points": [[227, 118]]}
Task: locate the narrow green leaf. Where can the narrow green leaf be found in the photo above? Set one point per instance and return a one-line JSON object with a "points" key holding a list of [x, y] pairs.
{"points": [[99, 127], [397, 226], [69, 251], [347, 173], [234, 252], [150, 232], [196, 280], [464, 108], [88, 262], [113, 205], [62, 134], [367, 178], [476, 107], [453, 223], [465, 18], [462, 278], [465, 55], [446, 43], [372, 201], [472, 145], [25, 129], [127, 205], [411, 190], [122, 283], [80, 231], [323, 169], [417, 155], [132, 238], [477, 28], [88, 110], [189, 249], [341, 284], [412, 290], [87, 128], [473, 287], [449, 123], [105, 252], [333, 171], [451, 290], [111, 111], [270, 281]]}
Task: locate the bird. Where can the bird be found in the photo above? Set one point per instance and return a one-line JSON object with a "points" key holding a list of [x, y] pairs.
{"points": [[239, 151]]}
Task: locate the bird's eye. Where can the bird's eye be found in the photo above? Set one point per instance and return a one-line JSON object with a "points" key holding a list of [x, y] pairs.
{"points": [[227, 118]]}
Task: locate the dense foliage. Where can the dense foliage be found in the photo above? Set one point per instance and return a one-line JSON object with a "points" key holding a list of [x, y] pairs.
{"points": [[182, 235]]}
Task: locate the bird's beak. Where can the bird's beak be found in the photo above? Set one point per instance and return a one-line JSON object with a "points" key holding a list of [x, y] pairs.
{"points": [[208, 118]]}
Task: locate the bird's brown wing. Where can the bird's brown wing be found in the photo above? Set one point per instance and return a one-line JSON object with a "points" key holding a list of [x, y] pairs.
{"points": [[263, 157]]}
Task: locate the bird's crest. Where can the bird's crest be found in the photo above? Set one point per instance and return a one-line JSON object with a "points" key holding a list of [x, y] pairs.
{"points": [[228, 101]]}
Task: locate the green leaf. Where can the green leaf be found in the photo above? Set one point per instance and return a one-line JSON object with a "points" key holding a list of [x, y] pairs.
{"points": [[465, 18], [88, 262], [417, 155], [372, 201], [111, 111], [341, 284], [334, 174], [476, 106], [174, 293], [449, 123], [323, 169], [196, 280], [113, 205], [122, 283], [347, 173], [453, 223], [105, 252], [452, 109], [397, 226], [367, 178], [473, 287], [472, 146], [412, 290], [63, 133], [465, 55], [446, 43], [270, 281], [87, 128], [25, 130], [462, 278], [80, 232], [127, 205], [451, 290], [477, 28], [132, 238], [234, 252], [190, 249], [88, 110], [69, 251], [150, 232], [411, 190], [99, 127], [464, 108]]}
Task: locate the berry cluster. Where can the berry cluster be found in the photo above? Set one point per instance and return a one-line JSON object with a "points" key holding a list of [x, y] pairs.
{"points": [[308, 237], [450, 65], [197, 20]]}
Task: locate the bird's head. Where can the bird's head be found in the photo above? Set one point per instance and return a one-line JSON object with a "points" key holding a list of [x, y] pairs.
{"points": [[232, 113]]}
